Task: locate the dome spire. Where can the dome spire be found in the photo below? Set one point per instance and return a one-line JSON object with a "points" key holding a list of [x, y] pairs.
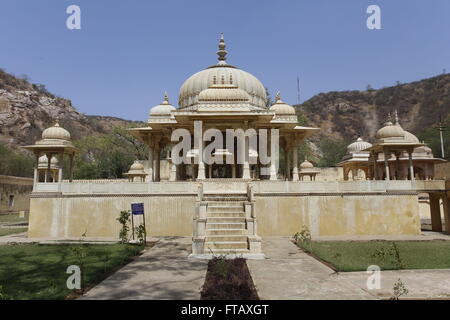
{"points": [[396, 117], [222, 52], [166, 98], [278, 96]]}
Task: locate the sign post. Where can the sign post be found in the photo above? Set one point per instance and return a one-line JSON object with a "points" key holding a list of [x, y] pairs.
{"points": [[138, 209]]}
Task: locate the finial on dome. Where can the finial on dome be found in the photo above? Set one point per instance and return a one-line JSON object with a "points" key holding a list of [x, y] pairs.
{"points": [[396, 117], [222, 52], [166, 97], [389, 120], [277, 96]]}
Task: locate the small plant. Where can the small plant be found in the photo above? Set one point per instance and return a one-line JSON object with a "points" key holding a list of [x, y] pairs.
{"points": [[392, 253], [399, 290], [4, 296], [303, 239], [222, 266], [141, 233], [124, 220]]}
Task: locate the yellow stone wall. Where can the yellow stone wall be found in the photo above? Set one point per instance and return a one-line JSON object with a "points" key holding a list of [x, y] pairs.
{"points": [[338, 216], [73, 216], [18, 187]]}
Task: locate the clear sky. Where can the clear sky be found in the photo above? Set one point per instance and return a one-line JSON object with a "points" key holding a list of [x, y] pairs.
{"points": [[128, 53]]}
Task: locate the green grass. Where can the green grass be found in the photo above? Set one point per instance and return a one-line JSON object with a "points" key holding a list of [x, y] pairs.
{"points": [[12, 217], [8, 231], [358, 255], [39, 271]]}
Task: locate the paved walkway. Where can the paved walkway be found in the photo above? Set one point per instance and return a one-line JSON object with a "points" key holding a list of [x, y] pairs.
{"points": [[163, 272], [291, 274]]}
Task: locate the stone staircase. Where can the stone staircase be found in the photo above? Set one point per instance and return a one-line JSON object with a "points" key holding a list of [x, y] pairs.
{"points": [[226, 227]]}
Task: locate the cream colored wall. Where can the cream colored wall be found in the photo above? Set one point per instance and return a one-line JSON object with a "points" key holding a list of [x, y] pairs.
{"points": [[18, 187], [330, 174], [71, 217], [338, 216]]}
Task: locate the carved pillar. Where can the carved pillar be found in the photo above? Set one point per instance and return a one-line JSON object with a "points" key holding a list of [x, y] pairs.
{"points": [[375, 171], [246, 166], [386, 165], [295, 161], [411, 167], [288, 163], [435, 209], [173, 166], [150, 176], [156, 161]]}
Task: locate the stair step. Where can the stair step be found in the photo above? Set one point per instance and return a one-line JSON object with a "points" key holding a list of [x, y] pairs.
{"points": [[225, 219], [225, 214], [226, 245], [226, 238], [224, 225], [236, 232], [225, 208], [228, 251]]}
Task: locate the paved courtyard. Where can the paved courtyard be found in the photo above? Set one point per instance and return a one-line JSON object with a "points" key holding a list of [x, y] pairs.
{"points": [[289, 273], [163, 273]]}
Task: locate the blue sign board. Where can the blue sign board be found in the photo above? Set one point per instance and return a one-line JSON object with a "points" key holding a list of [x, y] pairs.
{"points": [[137, 208]]}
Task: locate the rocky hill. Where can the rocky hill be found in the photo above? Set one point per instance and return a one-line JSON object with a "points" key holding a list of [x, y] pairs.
{"points": [[26, 109], [347, 114]]}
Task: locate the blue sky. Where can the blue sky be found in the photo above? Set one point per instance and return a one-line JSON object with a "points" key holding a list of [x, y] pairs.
{"points": [[129, 52]]}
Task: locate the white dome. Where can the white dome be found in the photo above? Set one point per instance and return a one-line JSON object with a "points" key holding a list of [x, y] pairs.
{"points": [[223, 94], [306, 165], [390, 130], [163, 109], [191, 88], [281, 108], [409, 137], [358, 146], [56, 132], [136, 168], [43, 162]]}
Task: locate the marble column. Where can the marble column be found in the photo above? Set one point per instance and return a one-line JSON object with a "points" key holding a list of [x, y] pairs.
{"points": [[288, 164], [156, 161], [295, 161], [375, 171], [435, 208], [386, 165], [246, 166], [150, 177], [411, 167]]}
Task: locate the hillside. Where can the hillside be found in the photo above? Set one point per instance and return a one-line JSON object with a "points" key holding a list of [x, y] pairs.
{"points": [[347, 114], [26, 109]]}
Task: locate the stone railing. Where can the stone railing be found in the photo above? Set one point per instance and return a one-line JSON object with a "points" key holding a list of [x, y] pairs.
{"points": [[238, 187]]}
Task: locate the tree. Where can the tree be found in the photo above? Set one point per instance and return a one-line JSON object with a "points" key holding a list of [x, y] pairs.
{"points": [[269, 101], [107, 156], [333, 149]]}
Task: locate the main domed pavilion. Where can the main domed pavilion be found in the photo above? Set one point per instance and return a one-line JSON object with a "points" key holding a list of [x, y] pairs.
{"points": [[223, 97]]}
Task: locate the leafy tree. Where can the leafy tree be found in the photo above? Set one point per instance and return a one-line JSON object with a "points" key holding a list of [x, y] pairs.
{"points": [[15, 163], [107, 156], [431, 137], [333, 149]]}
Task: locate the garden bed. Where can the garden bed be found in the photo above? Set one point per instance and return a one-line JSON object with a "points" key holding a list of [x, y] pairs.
{"points": [[228, 279], [347, 256], [31, 271]]}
